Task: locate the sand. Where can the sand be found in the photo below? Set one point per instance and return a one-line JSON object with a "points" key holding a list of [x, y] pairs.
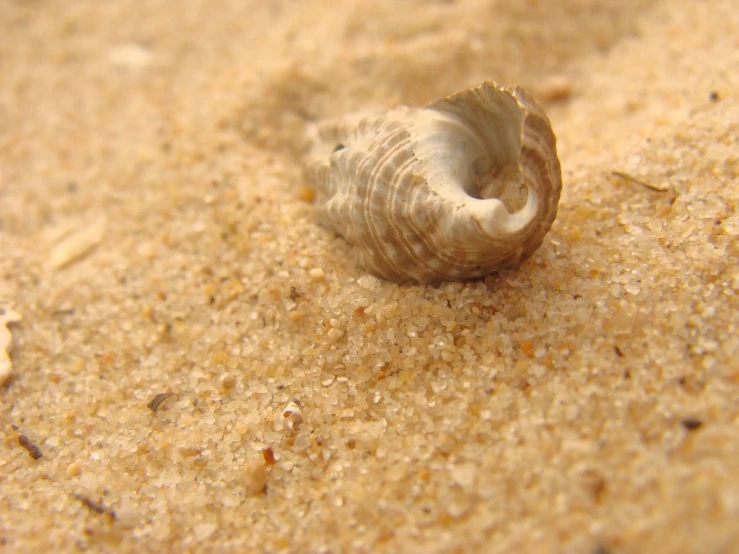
{"points": [[156, 238]]}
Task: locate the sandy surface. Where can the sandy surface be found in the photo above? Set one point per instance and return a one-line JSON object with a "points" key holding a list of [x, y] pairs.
{"points": [[155, 238]]}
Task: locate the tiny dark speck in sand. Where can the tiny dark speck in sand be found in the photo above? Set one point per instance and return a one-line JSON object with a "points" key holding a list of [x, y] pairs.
{"points": [[691, 423]]}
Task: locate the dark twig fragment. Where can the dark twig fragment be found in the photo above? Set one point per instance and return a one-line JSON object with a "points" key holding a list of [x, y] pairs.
{"points": [[691, 423], [97, 507], [33, 450], [636, 181], [157, 400]]}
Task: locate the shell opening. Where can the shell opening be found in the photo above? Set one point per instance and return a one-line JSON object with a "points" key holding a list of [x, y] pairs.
{"points": [[472, 152], [506, 183]]}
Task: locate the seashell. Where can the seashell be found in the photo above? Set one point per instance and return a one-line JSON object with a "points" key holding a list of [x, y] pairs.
{"points": [[461, 188], [292, 417]]}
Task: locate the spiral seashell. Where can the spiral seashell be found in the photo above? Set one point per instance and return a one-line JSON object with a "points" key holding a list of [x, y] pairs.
{"points": [[461, 188]]}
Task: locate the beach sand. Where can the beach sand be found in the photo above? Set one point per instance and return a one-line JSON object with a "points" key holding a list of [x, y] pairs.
{"points": [[157, 238]]}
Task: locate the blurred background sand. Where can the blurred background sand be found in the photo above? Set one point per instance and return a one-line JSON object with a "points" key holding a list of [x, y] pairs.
{"points": [[156, 239]]}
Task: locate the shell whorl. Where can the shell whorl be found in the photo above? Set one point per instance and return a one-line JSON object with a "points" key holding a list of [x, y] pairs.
{"points": [[463, 187]]}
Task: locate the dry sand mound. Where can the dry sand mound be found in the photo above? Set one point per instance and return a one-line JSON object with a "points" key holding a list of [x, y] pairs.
{"points": [[156, 239]]}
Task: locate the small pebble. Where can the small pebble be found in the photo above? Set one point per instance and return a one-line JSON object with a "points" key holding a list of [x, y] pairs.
{"points": [[73, 469], [269, 456], [255, 478], [555, 88], [128, 514], [203, 531]]}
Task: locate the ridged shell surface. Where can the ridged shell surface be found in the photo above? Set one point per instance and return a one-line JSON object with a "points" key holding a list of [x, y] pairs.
{"points": [[461, 188]]}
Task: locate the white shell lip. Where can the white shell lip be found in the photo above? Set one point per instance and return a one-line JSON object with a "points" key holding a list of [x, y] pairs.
{"points": [[425, 193]]}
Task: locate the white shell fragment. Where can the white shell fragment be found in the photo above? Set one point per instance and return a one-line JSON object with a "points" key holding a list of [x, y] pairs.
{"points": [[77, 244], [7, 316], [292, 416], [463, 187]]}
